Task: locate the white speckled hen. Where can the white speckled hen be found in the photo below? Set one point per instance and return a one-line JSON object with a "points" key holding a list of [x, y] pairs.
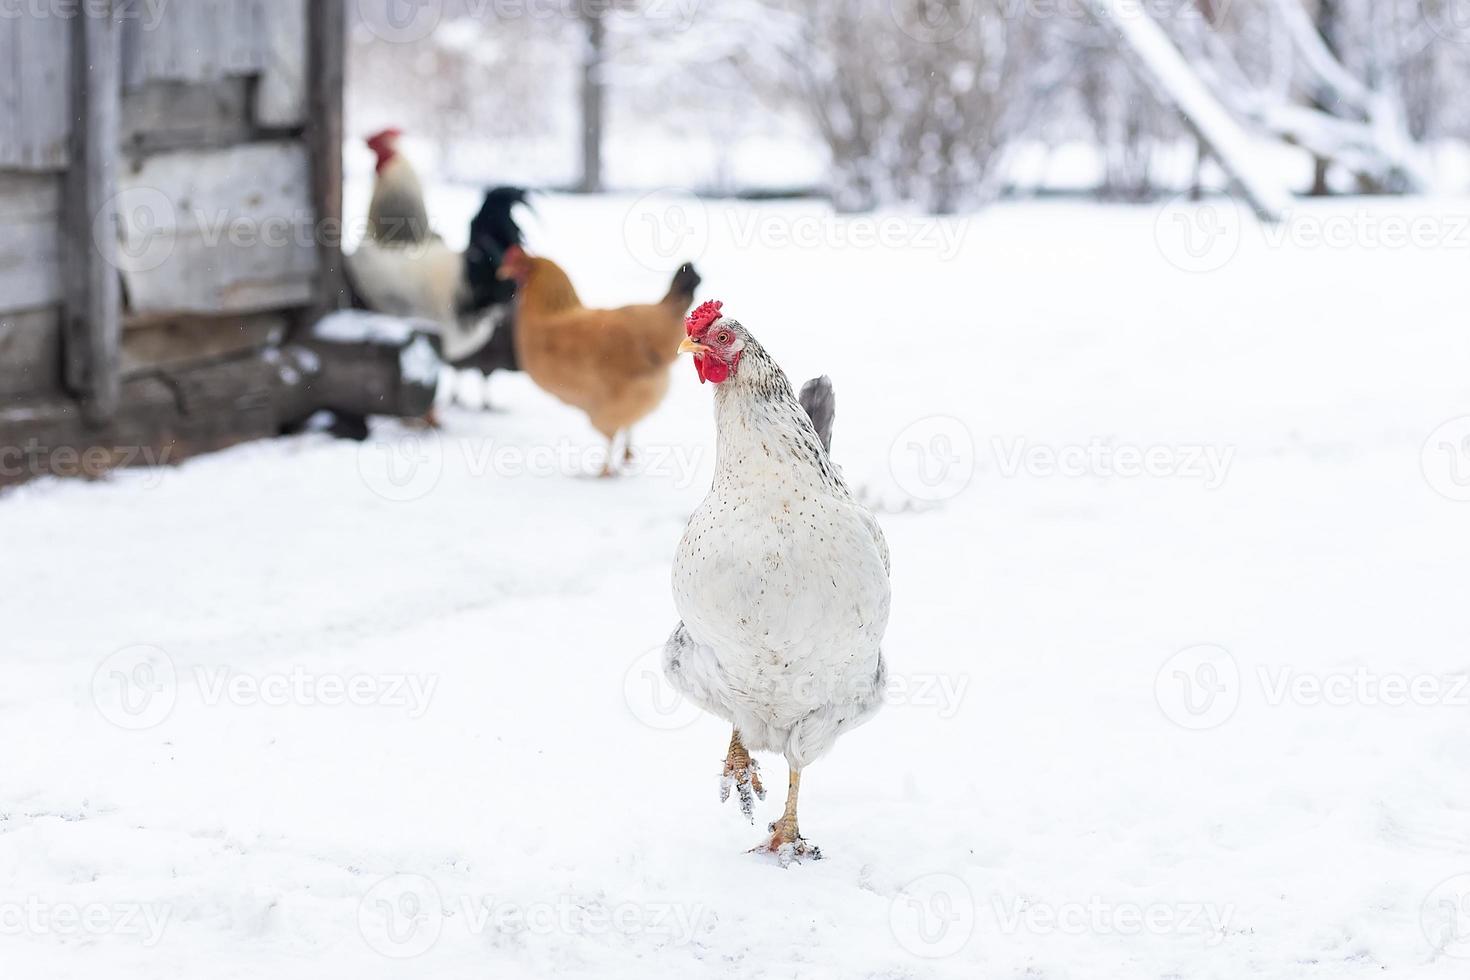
{"points": [[781, 578]]}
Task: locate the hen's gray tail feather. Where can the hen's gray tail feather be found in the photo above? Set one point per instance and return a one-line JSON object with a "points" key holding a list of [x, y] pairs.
{"points": [[820, 402]]}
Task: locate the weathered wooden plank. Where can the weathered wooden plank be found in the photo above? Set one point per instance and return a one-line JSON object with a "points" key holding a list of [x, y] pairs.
{"points": [[193, 340], [200, 40], [26, 196], [30, 353], [219, 231], [158, 116], [176, 413], [326, 75], [281, 96], [90, 305], [30, 240], [10, 104], [35, 99]]}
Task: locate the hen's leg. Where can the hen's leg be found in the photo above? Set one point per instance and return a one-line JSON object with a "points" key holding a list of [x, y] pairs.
{"points": [[786, 841], [743, 773], [612, 452], [429, 420], [628, 445]]}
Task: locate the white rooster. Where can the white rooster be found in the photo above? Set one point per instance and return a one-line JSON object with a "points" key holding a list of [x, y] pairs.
{"points": [[781, 578], [404, 268]]}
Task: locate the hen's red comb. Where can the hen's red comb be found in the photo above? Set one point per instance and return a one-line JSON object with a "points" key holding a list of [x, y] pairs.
{"points": [[703, 315]]}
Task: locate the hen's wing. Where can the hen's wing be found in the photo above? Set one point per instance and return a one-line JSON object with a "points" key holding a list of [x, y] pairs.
{"points": [[820, 402]]}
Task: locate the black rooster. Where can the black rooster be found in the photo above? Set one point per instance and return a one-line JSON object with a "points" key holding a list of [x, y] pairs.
{"points": [[485, 293]]}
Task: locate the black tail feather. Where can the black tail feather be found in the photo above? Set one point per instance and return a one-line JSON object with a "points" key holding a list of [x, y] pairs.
{"points": [[820, 401], [686, 281], [492, 231]]}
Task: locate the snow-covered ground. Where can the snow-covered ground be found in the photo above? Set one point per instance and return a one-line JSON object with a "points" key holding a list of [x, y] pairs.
{"points": [[313, 709]]}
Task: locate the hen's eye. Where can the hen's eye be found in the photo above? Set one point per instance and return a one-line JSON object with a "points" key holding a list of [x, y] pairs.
{"points": [[723, 338]]}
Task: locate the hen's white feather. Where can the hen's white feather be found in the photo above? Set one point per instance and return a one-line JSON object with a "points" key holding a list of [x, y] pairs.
{"points": [[781, 578]]}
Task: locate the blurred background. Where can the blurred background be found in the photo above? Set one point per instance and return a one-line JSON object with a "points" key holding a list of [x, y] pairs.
{"points": [[942, 105]]}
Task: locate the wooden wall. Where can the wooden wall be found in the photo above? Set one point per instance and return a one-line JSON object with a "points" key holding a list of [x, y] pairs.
{"points": [[212, 118], [35, 111], [35, 97]]}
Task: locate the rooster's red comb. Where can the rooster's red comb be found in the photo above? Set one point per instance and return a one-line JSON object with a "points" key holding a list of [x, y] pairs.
{"points": [[383, 136], [703, 315]]}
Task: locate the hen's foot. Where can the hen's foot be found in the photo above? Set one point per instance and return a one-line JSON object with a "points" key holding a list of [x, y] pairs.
{"points": [[787, 845], [744, 774], [609, 464]]}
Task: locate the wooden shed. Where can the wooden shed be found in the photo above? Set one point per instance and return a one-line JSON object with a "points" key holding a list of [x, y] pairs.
{"points": [[170, 224]]}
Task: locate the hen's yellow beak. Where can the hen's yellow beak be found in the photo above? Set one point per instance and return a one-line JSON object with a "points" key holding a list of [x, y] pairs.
{"points": [[688, 346]]}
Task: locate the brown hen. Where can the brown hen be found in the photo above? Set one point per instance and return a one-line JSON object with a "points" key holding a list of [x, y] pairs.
{"points": [[612, 364]]}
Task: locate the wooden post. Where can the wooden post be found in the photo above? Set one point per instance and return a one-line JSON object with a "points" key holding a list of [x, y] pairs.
{"points": [[91, 324], [594, 98], [327, 37]]}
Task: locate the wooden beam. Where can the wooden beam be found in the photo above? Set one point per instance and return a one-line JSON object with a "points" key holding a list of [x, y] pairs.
{"points": [[171, 413], [327, 39], [91, 311]]}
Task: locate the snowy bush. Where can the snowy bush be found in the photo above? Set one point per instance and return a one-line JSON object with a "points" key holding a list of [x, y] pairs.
{"points": [[915, 100]]}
